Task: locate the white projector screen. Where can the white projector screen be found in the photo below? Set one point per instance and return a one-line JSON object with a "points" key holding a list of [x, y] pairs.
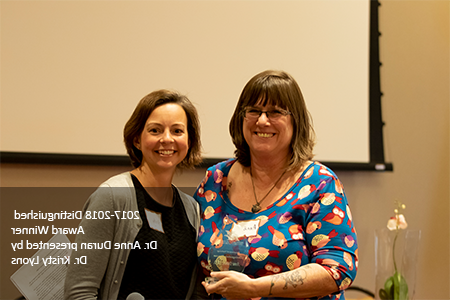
{"points": [[72, 72]]}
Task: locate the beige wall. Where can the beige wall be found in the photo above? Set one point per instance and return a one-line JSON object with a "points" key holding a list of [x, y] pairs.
{"points": [[415, 79]]}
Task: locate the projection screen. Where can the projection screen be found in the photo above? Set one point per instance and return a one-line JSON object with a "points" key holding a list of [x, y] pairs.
{"points": [[73, 71]]}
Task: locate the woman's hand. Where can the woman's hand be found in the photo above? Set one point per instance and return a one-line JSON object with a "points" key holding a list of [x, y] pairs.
{"points": [[310, 280], [231, 285]]}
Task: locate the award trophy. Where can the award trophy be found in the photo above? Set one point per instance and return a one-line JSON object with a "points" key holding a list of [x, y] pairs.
{"points": [[231, 256]]}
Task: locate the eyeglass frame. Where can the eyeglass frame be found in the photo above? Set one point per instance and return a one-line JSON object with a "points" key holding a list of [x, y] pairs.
{"points": [[284, 113]]}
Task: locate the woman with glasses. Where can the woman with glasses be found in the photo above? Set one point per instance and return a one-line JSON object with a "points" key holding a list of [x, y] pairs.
{"points": [[291, 211]]}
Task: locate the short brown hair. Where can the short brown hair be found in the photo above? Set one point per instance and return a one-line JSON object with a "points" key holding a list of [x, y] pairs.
{"points": [[136, 123], [280, 89]]}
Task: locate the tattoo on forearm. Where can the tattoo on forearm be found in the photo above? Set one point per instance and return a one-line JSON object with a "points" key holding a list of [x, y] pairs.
{"points": [[294, 278], [272, 283], [271, 286]]}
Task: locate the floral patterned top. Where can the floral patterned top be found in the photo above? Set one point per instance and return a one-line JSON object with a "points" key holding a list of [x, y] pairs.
{"points": [[311, 223]]}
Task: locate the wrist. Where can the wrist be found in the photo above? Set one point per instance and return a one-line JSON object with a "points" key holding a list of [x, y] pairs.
{"points": [[257, 287]]}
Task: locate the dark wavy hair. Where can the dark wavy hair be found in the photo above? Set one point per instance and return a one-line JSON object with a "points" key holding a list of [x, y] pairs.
{"points": [[276, 88], [133, 128]]}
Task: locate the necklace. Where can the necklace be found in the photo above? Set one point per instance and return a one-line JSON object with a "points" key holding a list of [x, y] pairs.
{"points": [[257, 207]]}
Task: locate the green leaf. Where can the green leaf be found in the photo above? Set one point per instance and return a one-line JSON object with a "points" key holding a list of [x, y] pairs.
{"points": [[395, 288], [383, 295], [400, 287], [389, 287]]}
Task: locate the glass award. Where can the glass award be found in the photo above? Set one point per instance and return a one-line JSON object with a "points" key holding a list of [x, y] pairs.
{"points": [[229, 255]]}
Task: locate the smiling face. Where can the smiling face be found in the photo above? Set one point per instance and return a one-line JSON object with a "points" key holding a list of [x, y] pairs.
{"points": [[268, 137], [269, 89], [164, 140]]}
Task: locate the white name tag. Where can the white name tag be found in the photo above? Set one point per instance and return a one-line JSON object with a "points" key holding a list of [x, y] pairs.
{"points": [[154, 220], [245, 228]]}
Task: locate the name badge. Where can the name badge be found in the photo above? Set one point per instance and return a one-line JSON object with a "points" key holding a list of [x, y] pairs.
{"points": [[245, 228], [154, 220]]}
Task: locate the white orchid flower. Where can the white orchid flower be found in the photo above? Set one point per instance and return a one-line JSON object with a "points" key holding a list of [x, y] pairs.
{"points": [[397, 222]]}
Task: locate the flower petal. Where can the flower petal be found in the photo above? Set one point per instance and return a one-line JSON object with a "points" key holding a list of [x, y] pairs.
{"points": [[402, 222], [392, 224]]}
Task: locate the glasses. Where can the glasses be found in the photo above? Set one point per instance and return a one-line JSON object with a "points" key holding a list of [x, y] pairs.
{"points": [[251, 113]]}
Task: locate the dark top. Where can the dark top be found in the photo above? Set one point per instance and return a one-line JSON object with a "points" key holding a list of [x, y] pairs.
{"points": [[162, 267]]}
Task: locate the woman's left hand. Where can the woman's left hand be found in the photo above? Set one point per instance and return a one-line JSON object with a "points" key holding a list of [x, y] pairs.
{"points": [[231, 285]]}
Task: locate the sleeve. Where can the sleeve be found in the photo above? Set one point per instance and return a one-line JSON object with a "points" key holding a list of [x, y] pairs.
{"points": [[330, 233], [202, 191], [83, 281]]}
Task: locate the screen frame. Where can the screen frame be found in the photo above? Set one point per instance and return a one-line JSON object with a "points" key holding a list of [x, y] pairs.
{"points": [[376, 142]]}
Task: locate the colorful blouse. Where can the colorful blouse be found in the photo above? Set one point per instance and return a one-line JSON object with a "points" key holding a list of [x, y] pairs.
{"points": [[311, 223]]}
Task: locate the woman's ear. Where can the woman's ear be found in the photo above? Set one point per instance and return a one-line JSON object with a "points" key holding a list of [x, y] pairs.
{"points": [[137, 143]]}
